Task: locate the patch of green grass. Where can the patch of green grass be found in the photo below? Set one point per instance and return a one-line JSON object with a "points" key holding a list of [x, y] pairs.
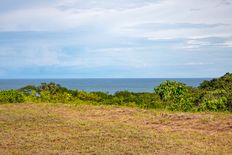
{"points": [[87, 129]]}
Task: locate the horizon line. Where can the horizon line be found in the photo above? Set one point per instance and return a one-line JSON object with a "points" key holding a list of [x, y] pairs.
{"points": [[108, 78]]}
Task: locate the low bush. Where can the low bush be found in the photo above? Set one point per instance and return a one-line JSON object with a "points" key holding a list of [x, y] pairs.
{"points": [[11, 96], [213, 101], [213, 95]]}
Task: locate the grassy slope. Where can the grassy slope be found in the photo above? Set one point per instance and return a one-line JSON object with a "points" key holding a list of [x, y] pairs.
{"points": [[54, 129]]}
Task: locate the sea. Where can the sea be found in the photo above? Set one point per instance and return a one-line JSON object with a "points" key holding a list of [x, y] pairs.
{"points": [[107, 85]]}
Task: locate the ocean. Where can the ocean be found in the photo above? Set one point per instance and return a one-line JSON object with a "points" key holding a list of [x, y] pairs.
{"points": [[105, 85]]}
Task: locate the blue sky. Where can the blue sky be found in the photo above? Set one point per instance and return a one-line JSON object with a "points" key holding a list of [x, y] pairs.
{"points": [[115, 38]]}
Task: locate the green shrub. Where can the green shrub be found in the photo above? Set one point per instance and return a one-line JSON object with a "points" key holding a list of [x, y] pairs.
{"points": [[213, 95], [28, 90], [169, 90], [229, 102], [31, 96], [51, 87], [184, 104], [175, 95], [102, 95], [11, 96], [213, 101], [85, 96], [45, 96], [224, 82]]}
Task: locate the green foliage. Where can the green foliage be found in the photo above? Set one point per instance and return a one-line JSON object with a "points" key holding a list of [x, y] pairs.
{"points": [[224, 82], [213, 95], [213, 105], [184, 104], [213, 101], [46, 96], [30, 97], [27, 90], [171, 90], [229, 102], [85, 96], [143, 100], [51, 87], [176, 95], [11, 96]]}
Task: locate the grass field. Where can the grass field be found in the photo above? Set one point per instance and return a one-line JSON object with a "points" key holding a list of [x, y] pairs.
{"points": [[85, 129]]}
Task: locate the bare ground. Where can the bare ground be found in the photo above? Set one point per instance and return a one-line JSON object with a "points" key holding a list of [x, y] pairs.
{"points": [[63, 129]]}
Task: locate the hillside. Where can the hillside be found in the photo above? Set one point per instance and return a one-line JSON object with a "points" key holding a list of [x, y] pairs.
{"points": [[87, 129]]}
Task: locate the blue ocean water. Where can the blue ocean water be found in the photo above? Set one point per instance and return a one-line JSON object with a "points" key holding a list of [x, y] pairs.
{"points": [[105, 85]]}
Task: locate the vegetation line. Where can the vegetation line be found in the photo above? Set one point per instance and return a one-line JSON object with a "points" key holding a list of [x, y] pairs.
{"points": [[212, 95]]}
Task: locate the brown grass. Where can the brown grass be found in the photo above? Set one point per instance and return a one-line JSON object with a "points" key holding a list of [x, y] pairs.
{"points": [[62, 129]]}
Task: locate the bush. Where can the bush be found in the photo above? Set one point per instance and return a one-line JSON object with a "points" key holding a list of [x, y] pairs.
{"points": [[184, 104], [212, 95], [176, 96], [213, 101], [224, 82], [85, 96], [171, 90], [11, 96], [45, 96], [52, 88], [229, 102], [27, 90], [31, 97]]}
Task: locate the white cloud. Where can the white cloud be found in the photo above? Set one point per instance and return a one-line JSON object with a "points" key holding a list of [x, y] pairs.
{"points": [[44, 55], [43, 19], [105, 14], [198, 44], [222, 31], [108, 57], [194, 44], [103, 4], [228, 43], [196, 63], [29, 56], [104, 25]]}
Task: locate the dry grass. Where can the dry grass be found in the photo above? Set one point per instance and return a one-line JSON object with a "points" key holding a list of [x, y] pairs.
{"points": [[61, 129]]}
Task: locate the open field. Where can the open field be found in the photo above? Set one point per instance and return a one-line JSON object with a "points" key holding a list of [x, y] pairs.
{"points": [[85, 129]]}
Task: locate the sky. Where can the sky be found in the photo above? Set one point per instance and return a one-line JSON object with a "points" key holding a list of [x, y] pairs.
{"points": [[115, 38]]}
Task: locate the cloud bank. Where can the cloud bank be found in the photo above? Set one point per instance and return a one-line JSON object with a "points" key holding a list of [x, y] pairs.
{"points": [[136, 38]]}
